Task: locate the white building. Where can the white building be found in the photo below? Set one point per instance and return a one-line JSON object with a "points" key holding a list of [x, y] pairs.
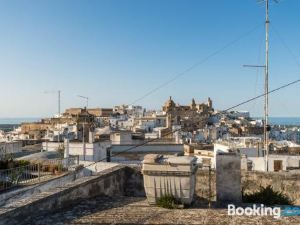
{"points": [[96, 151], [249, 146], [239, 114], [145, 123], [211, 133], [121, 138], [276, 163], [14, 135], [11, 147]]}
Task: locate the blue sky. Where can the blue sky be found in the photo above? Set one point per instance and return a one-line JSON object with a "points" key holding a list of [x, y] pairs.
{"points": [[116, 51]]}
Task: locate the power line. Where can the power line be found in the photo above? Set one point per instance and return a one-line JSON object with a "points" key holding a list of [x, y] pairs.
{"points": [[197, 64], [257, 73], [295, 58], [262, 95], [222, 112]]}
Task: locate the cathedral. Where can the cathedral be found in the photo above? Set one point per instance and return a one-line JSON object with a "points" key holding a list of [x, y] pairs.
{"points": [[190, 117]]}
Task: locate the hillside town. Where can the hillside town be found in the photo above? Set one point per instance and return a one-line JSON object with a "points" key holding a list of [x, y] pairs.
{"points": [[203, 157], [146, 147], [195, 129]]}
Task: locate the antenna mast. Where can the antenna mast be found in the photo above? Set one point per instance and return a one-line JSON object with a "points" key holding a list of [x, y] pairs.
{"points": [[266, 103], [266, 93], [58, 98], [83, 125], [58, 102]]}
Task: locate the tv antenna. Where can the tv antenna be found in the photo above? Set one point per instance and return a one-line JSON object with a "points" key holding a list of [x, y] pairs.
{"points": [[86, 98], [266, 93]]}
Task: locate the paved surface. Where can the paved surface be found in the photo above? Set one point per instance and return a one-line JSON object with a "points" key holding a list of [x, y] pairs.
{"points": [[131, 210]]}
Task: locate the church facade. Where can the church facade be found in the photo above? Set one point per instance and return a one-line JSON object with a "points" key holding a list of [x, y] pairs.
{"points": [[189, 117]]}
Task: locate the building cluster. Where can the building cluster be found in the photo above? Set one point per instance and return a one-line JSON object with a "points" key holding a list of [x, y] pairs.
{"points": [[281, 133], [282, 156], [194, 129]]}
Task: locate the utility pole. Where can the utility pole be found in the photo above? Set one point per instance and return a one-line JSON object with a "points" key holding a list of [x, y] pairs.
{"points": [[266, 92], [83, 126], [266, 105], [86, 98], [58, 95], [58, 92], [58, 103], [209, 186]]}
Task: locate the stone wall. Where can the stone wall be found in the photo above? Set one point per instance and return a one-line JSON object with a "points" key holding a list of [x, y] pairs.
{"points": [[26, 192], [288, 183], [7, 148], [116, 181], [202, 189], [134, 183], [228, 178], [128, 181]]}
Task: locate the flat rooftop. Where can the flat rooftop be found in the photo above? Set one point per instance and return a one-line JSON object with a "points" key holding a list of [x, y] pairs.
{"points": [[134, 210]]}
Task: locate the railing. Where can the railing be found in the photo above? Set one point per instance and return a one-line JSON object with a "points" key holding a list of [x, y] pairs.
{"points": [[35, 173]]}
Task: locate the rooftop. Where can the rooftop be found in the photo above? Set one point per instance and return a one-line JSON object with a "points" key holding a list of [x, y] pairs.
{"points": [[134, 210]]}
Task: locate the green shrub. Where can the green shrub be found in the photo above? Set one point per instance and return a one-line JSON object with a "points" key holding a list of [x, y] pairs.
{"points": [[61, 150], [11, 163], [23, 162], [267, 196], [58, 168], [168, 201]]}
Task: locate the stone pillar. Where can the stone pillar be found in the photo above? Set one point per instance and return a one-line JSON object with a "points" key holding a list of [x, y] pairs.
{"points": [[67, 148], [228, 178], [169, 121], [244, 162], [91, 137]]}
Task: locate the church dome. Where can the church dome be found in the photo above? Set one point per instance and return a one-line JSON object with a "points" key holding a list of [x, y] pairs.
{"points": [[170, 103]]}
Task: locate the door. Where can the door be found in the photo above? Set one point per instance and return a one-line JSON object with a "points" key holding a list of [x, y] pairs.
{"points": [[277, 165]]}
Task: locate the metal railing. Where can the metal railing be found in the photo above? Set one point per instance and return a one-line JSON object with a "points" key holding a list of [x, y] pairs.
{"points": [[35, 173]]}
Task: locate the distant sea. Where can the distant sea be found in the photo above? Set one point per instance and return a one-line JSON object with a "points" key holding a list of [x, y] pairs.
{"points": [[273, 120], [287, 121], [18, 120]]}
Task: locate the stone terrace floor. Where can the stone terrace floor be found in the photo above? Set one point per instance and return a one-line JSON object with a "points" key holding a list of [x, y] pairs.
{"points": [[132, 210]]}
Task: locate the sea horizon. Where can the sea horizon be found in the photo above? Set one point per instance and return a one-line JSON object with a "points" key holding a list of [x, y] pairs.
{"points": [[274, 120], [282, 120], [17, 120]]}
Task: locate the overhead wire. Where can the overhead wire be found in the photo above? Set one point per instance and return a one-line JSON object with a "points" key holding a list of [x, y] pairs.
{"points": [[292, 54], [190, 68], [221, 112], [295, 58]]}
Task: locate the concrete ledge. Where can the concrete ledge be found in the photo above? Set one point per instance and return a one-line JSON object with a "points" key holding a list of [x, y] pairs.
{"points": [[109, 182], [24, 192]]}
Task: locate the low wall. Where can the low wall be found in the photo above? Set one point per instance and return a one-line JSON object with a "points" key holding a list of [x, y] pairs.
{"points": [[228, 178], [149, 148], [34, 189], [287, 182], [134, 182], [202, 189], [116, 181], [128, 181], [7, 148]]}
